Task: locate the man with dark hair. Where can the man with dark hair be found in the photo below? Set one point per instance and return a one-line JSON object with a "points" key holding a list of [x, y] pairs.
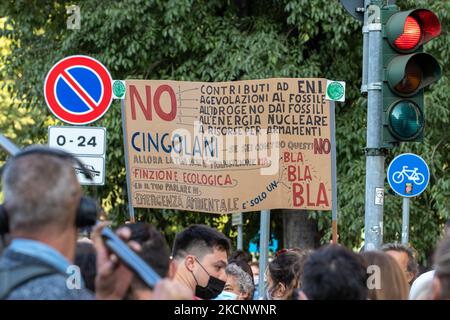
{"points": [[154, 248], [441, 281], [201, 254], [155, 251], [405, 257], [334, 273]]}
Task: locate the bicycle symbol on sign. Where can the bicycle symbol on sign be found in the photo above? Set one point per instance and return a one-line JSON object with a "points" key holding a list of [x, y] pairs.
{"points": [[412, 175]]}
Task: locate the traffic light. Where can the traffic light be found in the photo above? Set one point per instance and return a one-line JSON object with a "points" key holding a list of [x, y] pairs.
{"points": [[407, 70]]}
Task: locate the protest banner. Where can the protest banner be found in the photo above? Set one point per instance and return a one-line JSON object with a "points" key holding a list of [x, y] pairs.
{"points": [[230, 146]]}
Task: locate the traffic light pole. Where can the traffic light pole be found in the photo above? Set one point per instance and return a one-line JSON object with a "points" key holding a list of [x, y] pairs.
{"points": [[365, 63], [373, 231]]}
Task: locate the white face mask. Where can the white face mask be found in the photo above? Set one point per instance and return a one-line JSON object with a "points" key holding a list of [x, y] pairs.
{"points": [[226, 295], [256, 280]]}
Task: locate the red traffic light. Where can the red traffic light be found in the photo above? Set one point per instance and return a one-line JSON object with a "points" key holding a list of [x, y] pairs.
{"points": [[411, 35], [407, 30]]}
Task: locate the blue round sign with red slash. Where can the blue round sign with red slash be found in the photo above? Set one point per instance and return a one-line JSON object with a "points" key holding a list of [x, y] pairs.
{"points": [[78, 90]]}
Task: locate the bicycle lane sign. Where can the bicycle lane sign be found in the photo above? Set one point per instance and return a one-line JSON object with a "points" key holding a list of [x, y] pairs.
{"points": [[408, 175]]}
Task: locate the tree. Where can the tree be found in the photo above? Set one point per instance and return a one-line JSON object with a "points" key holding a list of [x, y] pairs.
{"points": [[218, 40], [299, 230]]}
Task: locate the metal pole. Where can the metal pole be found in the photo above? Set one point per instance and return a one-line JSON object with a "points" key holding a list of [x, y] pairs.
{"points": [[373, 226], [8, 146], [237, 220], [334, 204], [130, 204], [365, 31], [239, 237], [405, 222], [263, 250]]}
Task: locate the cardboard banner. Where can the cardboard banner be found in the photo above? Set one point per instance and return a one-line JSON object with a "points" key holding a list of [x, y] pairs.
{"points": [[230, 146]]}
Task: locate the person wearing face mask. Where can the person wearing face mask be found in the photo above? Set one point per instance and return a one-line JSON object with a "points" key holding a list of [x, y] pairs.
{"points": [[255, 270], [200, 254], [239, 285]]}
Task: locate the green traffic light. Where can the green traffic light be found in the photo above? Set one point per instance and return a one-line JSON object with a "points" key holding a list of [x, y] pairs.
{"points": [[406, 120]]}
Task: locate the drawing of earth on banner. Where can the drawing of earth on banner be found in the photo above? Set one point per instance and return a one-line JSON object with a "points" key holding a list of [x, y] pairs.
{"points": [[229, 146]]}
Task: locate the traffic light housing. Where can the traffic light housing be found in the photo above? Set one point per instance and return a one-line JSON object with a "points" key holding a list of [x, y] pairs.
{"points": [[407, 70]]}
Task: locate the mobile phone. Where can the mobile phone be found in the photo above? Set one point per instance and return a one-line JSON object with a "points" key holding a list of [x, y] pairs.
{"points": [[130, 258]]}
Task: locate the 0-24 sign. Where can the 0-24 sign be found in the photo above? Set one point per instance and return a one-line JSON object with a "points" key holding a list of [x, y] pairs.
{"points": [[89, 141], [88, 144]]}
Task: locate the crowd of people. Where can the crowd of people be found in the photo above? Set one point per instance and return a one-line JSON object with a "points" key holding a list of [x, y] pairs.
{"points": [[40, 221]]}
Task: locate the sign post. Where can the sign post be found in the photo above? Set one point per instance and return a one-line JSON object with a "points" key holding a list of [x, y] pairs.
{"points": [[408, 175], [127, 167], [237, 220], [334, 203], [405, 221], [240, 239], [263, 250], [335, 92]]}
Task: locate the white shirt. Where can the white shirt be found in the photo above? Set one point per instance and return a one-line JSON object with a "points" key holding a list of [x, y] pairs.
{"points": [[421, 287]]}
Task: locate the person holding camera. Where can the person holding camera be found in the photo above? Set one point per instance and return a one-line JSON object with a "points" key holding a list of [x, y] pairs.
{"points": [[42, 211]]}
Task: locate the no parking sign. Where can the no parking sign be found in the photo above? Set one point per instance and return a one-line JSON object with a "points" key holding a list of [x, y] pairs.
{"points": [[78, 90]]}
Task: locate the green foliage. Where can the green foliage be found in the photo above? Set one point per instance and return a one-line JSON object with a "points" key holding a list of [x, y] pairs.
{"points": [[214, 40]]}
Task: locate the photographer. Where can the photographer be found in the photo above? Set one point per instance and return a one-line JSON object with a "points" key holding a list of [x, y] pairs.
{"points": [[42, 210]]}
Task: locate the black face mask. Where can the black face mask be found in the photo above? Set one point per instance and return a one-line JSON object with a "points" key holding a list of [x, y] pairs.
{"points": [[213, 288]]}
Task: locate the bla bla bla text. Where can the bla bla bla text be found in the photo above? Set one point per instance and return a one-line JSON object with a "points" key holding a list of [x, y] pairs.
{"points": [[301, 178]]}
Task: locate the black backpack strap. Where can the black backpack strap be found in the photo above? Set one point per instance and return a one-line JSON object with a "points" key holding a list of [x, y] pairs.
{"points": [[13, 278]]}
